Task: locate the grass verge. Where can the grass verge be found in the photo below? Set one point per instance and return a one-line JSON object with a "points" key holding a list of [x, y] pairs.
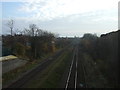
{"points": [[50, 78], [94, 77], [8, 77]]}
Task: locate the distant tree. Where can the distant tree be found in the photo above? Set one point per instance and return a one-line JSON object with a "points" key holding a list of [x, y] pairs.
{"points": [[33, 29], [89, 43], [10, 24], [27, 32]]}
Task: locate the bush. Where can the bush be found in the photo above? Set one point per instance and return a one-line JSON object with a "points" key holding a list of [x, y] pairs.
{"points": [[19, 49]]}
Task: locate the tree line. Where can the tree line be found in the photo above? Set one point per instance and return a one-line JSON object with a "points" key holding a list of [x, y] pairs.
{"points": [[31, 43]]}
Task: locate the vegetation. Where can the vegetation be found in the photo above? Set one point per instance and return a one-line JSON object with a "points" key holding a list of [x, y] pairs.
{"points": [[30, 43], [104, 52], [50, 78], [14, 74], [99, 54]]}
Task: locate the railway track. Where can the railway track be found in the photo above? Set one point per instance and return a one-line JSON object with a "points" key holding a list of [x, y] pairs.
{"points": [[76, 75]]}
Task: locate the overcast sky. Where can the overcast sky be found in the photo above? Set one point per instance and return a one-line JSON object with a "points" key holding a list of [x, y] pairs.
{"points": [[64, 17]]}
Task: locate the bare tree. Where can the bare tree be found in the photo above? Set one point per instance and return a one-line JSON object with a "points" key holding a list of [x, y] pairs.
{"points": [[39, 32], [33, 27], [26, 32], [10, 24]]}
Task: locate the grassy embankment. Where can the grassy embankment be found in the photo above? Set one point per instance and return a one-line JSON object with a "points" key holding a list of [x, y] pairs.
{"points": [[14, 74], [50, 78], [94, 78]]}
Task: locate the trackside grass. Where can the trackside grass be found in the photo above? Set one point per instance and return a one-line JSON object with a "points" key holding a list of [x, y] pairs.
{"points": [[14, 74], [50, 78]]}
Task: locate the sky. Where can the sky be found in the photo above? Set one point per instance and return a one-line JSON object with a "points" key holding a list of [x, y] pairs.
{"points": [[63, 17]]}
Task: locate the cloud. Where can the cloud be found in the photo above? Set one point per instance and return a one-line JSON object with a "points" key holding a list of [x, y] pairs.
{"points": [[72, 25], [69, 17], [106, 19], [50, 9]]}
